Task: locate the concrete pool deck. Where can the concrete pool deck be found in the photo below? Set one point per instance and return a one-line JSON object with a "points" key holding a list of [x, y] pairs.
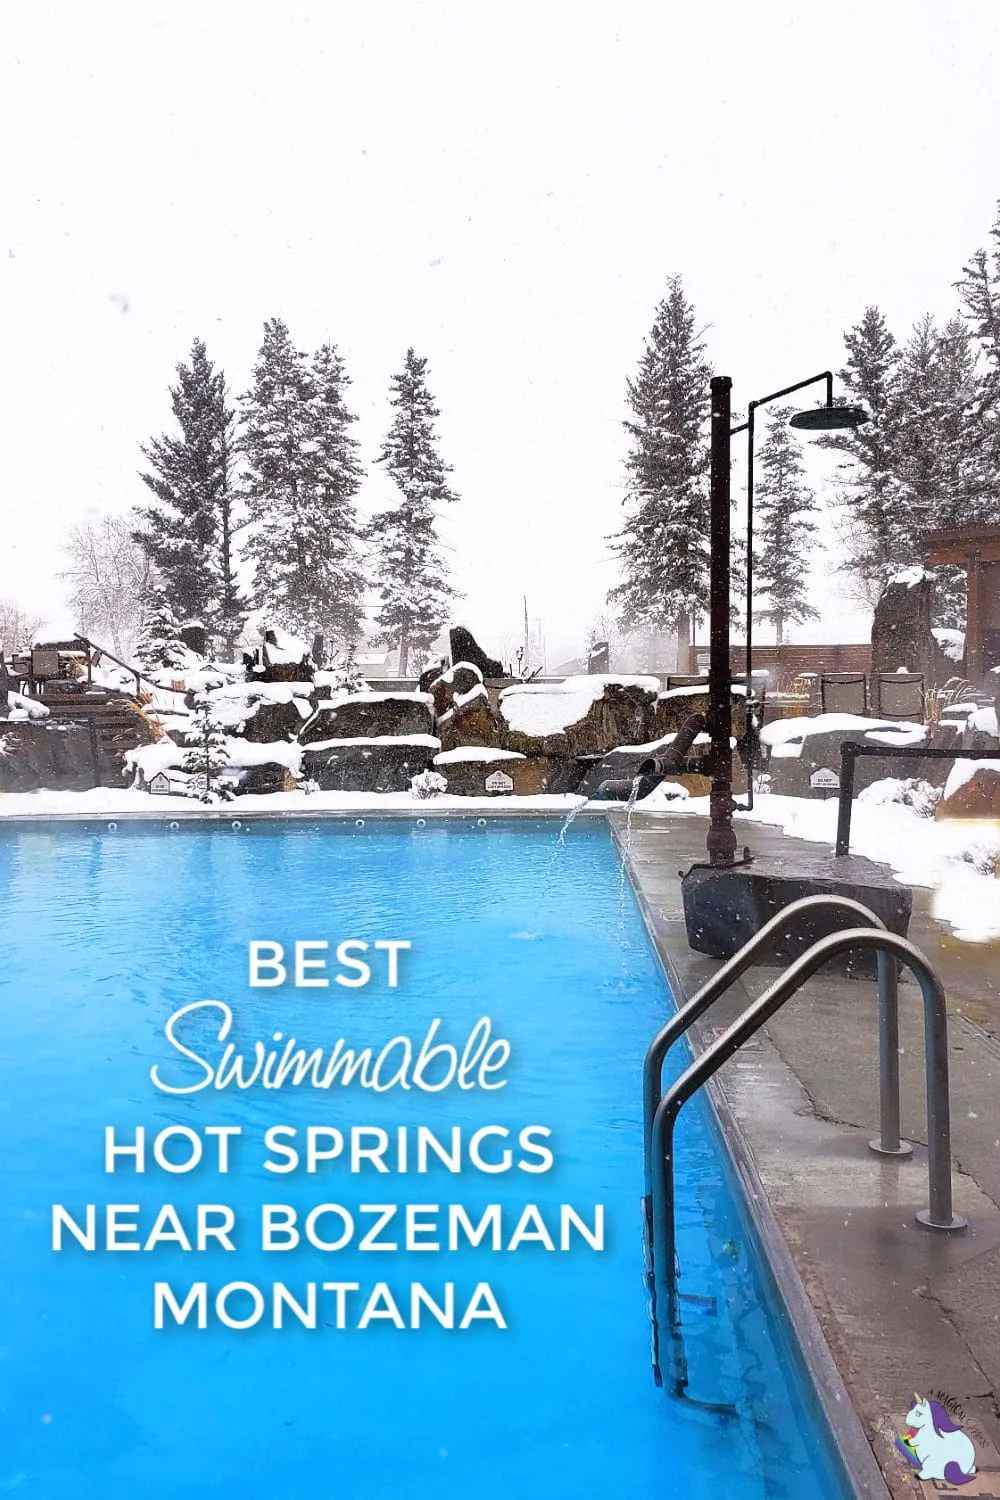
{"points": [[902, 1309]]}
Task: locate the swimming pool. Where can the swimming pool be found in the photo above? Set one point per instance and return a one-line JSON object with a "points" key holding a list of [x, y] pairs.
{"points": [[109, 933]]}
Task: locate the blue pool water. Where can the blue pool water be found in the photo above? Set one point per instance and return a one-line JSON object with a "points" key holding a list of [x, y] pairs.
{"points": [[106, 934]]}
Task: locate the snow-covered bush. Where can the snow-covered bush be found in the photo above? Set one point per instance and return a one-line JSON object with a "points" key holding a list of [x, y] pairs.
{"points": [[428, 784], [208, 755], [982, 854], [912, 792]]}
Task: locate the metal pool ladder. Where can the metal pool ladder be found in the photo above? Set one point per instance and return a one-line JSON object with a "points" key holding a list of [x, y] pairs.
{"points": [[660, 1111]]}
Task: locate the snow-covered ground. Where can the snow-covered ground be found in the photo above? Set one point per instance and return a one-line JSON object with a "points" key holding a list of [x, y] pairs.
{"points": [[953, 857]]}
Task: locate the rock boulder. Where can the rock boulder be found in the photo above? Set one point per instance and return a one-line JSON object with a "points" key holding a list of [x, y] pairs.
{"points": [[373, 765], [972, 791], [467, 775], [348, 716]]}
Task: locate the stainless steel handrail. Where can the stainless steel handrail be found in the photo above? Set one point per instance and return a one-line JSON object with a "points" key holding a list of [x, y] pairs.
{"points": [[888, 1143], [938, 1216]]}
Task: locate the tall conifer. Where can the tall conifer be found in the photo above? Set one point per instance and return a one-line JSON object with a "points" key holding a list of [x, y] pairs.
{"points": [[663, 547], [302, 476], [784, 530], [411, 577], [187, 533]]}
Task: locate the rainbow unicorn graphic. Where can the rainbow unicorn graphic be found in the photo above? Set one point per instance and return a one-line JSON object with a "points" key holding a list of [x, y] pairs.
{"points": [[935, 1445]]}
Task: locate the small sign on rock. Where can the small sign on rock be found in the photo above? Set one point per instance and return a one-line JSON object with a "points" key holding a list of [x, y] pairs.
{"points": [[829, 780], [499, 781]]}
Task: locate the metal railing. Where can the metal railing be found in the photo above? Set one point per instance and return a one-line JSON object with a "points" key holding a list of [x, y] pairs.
{"points": [[140, 677], [888, 1142], [849, 752], [889, 948]]}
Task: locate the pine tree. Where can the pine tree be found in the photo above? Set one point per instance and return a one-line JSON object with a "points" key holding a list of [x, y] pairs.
{"points": [[208, 754], [876, 540], [188, 532], [942, 468], [338, 584], [784, 530], [159, 645], [663, 547], [411, 578], [301, 481], [980, 289]]}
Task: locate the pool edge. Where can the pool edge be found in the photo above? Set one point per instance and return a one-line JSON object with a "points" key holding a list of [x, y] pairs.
{"points": [[859, 1463]]}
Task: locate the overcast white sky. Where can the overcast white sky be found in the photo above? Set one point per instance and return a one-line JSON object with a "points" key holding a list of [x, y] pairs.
{"points": [[505, 187]]}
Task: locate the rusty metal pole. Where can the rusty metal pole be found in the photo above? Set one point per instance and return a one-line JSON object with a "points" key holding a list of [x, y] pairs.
{"points": [[721, 837]]}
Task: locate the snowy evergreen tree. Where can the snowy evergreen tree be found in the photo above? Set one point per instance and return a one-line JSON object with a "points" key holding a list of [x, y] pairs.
{"points": [[301, 480], [415, 589], [980, 289], [875, 535], [188, 532], [159, 645], [207, 755], [784, 530], [942, 468], [663, 546], [338, 569]]}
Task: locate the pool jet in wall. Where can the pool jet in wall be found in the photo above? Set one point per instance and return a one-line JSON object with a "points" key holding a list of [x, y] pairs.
{"points": [[652, 769]]}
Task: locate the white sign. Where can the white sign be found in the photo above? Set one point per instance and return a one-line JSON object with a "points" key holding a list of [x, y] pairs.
{"points": [[160, 784], [499, 781], [824, 778]]}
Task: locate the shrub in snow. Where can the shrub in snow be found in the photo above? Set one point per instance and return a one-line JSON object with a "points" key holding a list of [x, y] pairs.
{"points": [[428, 784], [982, 856], [208, 754], [913, 793]]}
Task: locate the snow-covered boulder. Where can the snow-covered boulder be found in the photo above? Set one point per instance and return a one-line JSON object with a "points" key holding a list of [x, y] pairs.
{"points": [[469, 720], [980, 733], [479, 771], [348, 716], [971, 791], [458, 681], [386, 763], [18, 708], [585, 715], [902, 636], [799, 748], [281, 657], [677, 704]]}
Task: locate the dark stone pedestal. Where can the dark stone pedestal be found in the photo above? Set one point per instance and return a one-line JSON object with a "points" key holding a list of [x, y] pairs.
{"points": [[723, 908]]}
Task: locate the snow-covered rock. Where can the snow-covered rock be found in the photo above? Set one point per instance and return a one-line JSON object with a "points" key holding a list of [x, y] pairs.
{"points": [[369, 716], [952, 643], [582, 715], [21, 708], [972, 790]]}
